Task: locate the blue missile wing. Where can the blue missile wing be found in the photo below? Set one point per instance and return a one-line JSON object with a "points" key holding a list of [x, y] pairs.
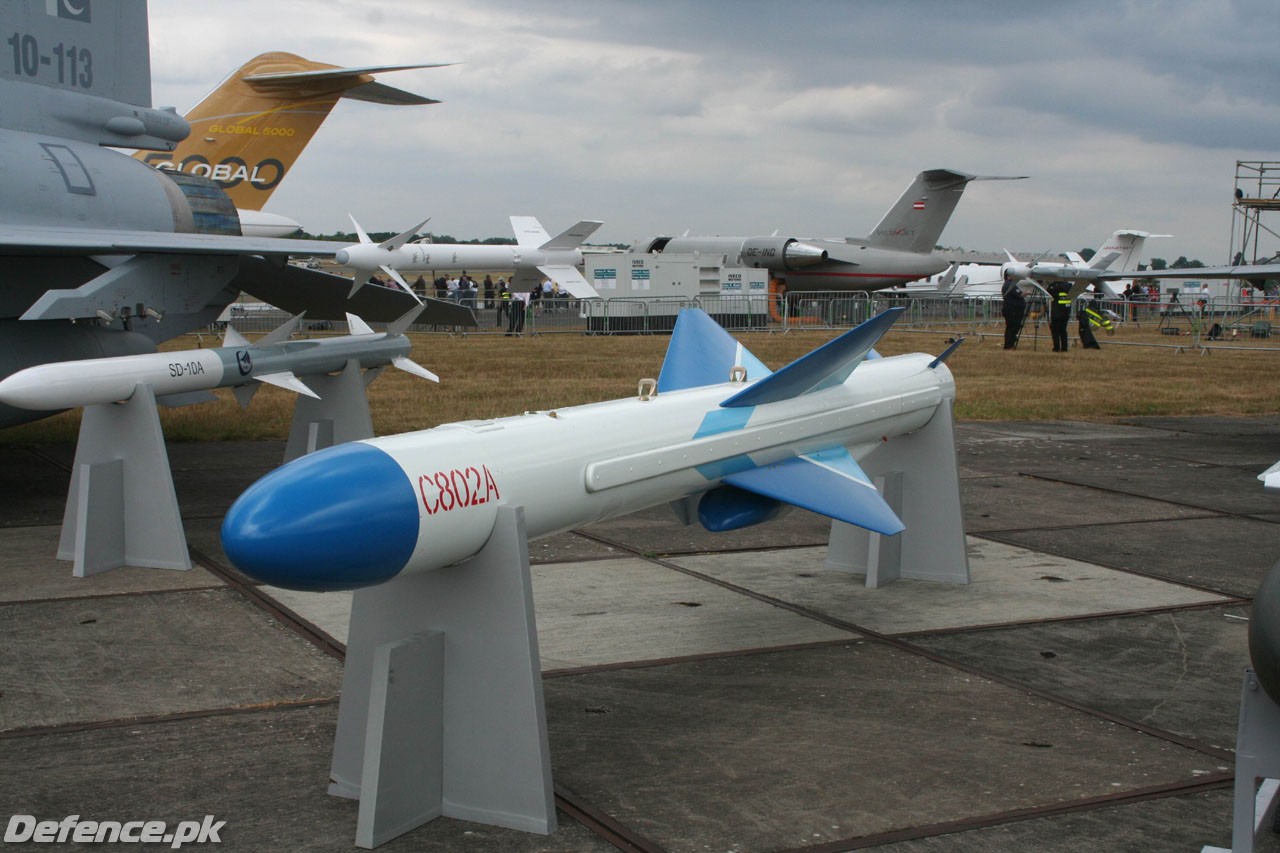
{"points": [[827, 366], [702, 353], [829, 483]]}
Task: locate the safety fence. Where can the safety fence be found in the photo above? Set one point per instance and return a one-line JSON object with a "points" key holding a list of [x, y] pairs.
{"points": [[1204, 324]]}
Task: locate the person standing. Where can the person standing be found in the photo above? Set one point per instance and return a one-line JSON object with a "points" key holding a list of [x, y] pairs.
{"points": [[1014, 308], [515, 324], [487, 292], [504, 303], [1059, 313], [1093, 316]]}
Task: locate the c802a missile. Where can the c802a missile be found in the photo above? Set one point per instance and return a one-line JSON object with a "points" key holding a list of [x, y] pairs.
{"points": [[720, 430], [273, 359]]}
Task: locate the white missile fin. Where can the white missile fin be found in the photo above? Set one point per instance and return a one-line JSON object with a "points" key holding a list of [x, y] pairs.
{"points": [[358, 326], [410, 366], [395, 276], [289, 382], [570, 280], [404, 237], [1271, 478], [281, 334], [360, 234], [572, 237], [232, 338], [529, 232]]}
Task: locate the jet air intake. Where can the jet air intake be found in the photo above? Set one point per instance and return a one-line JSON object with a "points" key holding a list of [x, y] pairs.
{"points": [[785, 252]]}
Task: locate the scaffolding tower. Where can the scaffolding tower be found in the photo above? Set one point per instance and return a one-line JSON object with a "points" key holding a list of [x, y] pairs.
{"points": [[1257, 192]]}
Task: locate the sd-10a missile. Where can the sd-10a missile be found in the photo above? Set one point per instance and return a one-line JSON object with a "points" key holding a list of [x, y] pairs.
{"points": [[273, 359], [717, 430]]}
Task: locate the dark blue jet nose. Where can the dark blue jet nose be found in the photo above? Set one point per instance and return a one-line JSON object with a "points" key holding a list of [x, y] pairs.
{"points": [[340, 518]]}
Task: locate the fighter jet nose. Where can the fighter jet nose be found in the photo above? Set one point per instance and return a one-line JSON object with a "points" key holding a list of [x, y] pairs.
{"points": [[340, 518]]}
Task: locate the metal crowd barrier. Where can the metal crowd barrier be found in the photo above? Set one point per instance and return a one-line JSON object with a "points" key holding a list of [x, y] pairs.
{"points": [[1187, 323]]}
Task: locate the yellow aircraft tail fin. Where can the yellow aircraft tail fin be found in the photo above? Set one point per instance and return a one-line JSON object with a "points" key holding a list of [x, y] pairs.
{"points": [[248, 132]]}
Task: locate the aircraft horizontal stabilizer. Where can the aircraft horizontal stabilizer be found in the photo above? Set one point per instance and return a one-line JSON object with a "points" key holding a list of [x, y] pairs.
{"points": [[827, 366], [570, 280], [829, 483], [355, 83], [702, 353]]}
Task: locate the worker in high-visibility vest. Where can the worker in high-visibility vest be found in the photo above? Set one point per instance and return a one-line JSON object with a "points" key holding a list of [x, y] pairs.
{"points": [[1093, 316], [1059, 313], [504, 302]]}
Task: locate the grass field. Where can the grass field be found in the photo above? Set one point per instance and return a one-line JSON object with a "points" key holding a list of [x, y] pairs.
{"points": [[489, 375]]}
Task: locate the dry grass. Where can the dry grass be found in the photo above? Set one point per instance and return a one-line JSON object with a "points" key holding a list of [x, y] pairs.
{"points": [[490, 375]]}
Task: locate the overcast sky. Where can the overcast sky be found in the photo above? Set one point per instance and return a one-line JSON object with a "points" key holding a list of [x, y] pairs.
{"points": [[738, 116]]}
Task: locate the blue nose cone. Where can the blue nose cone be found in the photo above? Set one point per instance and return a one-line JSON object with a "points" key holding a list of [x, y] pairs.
{"points": [[339, 518]]}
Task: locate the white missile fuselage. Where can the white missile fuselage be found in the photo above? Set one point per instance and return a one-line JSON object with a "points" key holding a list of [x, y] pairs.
{"points": [[425, 257], [361, 513], [69, 384], [590, 463]]}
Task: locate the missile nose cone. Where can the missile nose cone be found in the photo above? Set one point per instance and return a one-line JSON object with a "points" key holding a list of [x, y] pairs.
{"points": [[339, 518], [342, 256]]}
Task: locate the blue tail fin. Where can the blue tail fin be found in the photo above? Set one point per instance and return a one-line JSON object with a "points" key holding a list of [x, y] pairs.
{"points": [[827, 366], [702, 353], [829, 483]]}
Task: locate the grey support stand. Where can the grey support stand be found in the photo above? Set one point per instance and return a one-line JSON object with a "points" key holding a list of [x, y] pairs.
{"points": [[121, 507], [442, 710], [918, 476], [340, 415], [1257, 758]]}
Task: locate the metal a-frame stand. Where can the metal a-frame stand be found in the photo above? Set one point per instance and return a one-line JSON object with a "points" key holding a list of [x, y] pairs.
{"points": [[919, 478], [121, 507], [341, 414], [442, 709], [1257, 758]]}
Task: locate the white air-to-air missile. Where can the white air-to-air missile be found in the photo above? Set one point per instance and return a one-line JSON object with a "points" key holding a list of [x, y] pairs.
{"points": [[717, 434], [273, 359], [536, 256]]}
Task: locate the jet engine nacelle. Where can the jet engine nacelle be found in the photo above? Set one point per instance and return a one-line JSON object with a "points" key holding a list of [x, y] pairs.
{"points": [[780, 253]]}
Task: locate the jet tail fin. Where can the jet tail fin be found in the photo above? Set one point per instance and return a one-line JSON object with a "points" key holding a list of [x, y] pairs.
{"points": [[915, 222], [702, 353], [257, 122], [1122, 252], [827, 366]]}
